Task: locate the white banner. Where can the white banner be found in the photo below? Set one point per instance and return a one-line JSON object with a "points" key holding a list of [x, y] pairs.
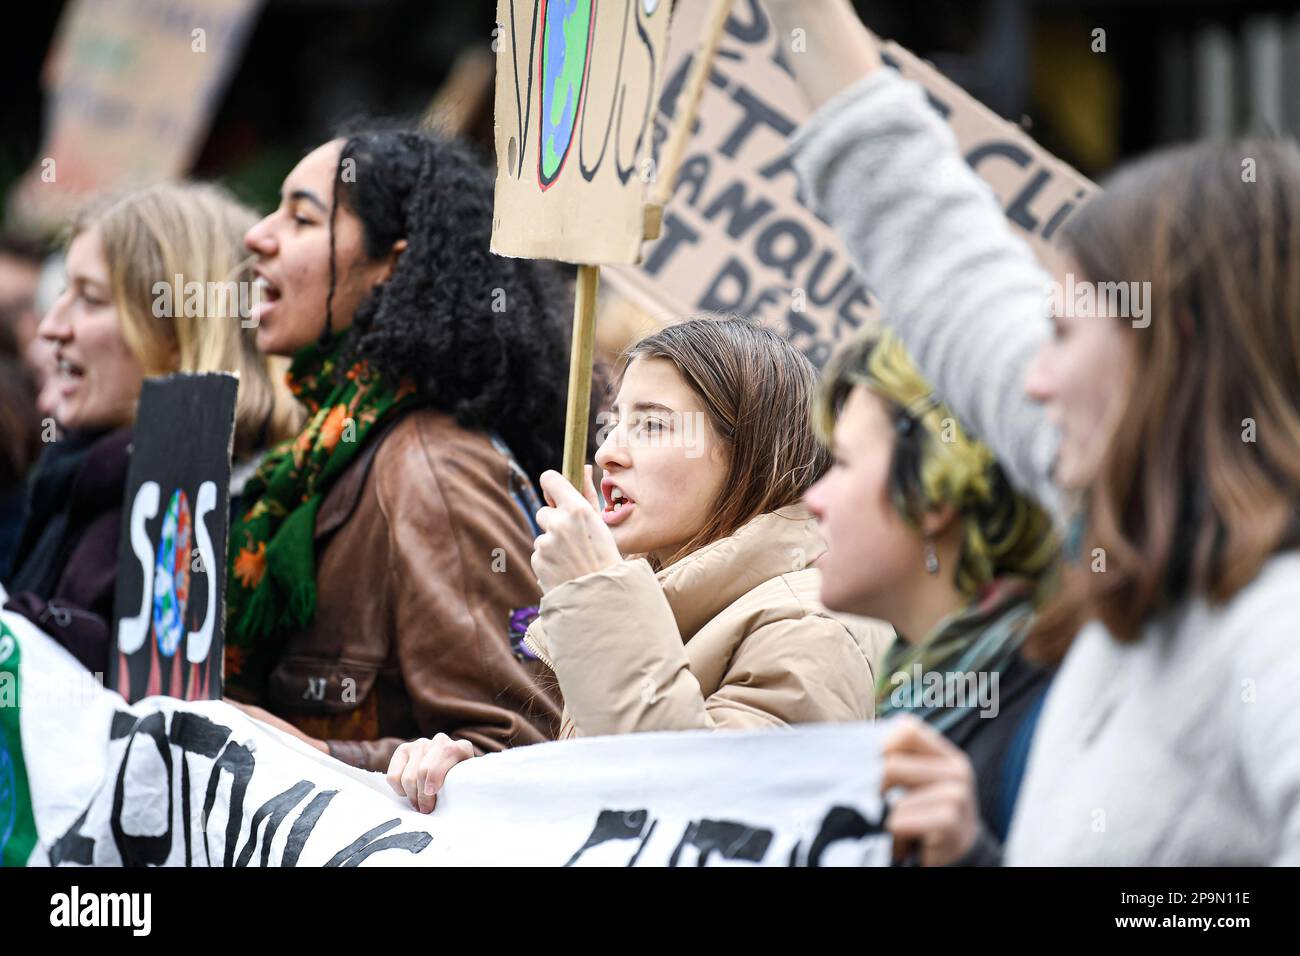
{"points": [[86, 779]]}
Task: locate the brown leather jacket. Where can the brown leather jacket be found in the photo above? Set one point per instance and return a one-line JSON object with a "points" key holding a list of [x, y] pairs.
{"points": [[421, 556]]}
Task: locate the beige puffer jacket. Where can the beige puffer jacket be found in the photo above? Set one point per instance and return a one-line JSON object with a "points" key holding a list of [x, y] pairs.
{"points": [[730, 637]]}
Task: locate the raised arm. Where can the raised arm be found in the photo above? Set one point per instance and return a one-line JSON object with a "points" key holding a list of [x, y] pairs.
{"points": [[964, 293]]}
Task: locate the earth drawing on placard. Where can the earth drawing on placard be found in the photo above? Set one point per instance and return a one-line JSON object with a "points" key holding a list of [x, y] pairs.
{"points": [[567, 27]]}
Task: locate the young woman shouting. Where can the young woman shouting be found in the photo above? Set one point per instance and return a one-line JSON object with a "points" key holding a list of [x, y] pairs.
{"points": [[381, 553], [687, 600]]}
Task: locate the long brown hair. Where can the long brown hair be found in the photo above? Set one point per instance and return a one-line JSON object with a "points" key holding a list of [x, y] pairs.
{"points": [[1201, 480], [757, 390]]}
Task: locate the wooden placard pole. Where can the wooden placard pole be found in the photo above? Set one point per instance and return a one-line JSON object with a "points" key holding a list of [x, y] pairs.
{"points": [[577, 414], [688, 104]]}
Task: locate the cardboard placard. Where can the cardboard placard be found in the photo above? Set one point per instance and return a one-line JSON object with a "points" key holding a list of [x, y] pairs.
{"points": [[169, 610], [737, 237], [131, 89], [1037, 191], [576, 88]]}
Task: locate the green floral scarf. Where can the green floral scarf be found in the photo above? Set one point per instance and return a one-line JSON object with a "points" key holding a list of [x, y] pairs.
{"points": [[271, 590]]}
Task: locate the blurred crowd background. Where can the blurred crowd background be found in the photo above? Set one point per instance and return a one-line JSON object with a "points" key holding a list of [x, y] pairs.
{"points": [[1171, 71], [282, 75]]}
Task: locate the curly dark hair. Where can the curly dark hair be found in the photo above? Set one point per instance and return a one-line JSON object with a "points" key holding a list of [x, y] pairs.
{"points": [[482, 337]]}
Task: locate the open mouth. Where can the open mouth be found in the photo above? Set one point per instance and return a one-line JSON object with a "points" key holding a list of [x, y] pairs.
{"points": [[618, 504], [265, 294], [68, 375], [69, 370]]}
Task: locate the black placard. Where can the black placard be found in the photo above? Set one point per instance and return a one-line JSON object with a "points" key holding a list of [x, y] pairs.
{"points": [[169, 611]]}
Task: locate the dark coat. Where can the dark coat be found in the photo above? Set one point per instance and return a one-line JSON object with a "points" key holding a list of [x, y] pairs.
{"points": [[998, 747], [65, 569]]}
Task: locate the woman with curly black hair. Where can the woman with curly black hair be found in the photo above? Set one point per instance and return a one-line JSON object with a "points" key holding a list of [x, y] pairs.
{"points": [[383, 551]]}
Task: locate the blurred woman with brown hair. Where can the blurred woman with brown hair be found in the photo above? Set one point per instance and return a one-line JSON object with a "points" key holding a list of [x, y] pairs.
{"points": [[112, 326], [1162, 427]]}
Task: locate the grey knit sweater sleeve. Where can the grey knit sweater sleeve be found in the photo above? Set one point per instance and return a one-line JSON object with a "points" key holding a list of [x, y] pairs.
{"points": [[964, 293]]}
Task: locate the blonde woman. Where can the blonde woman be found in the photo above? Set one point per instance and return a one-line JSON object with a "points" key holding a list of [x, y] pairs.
{"points": [[177, 252], [113, 325]]}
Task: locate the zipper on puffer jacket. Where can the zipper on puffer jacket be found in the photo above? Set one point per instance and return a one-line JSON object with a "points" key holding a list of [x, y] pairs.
{"points": [[567, 727], [532, 646]]}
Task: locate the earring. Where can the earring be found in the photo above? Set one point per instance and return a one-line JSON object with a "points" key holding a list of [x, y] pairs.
{"points": [[931, 558]]}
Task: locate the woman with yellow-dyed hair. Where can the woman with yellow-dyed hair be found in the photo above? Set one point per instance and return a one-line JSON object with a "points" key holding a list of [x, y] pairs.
{"points": [[924, 531]]}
